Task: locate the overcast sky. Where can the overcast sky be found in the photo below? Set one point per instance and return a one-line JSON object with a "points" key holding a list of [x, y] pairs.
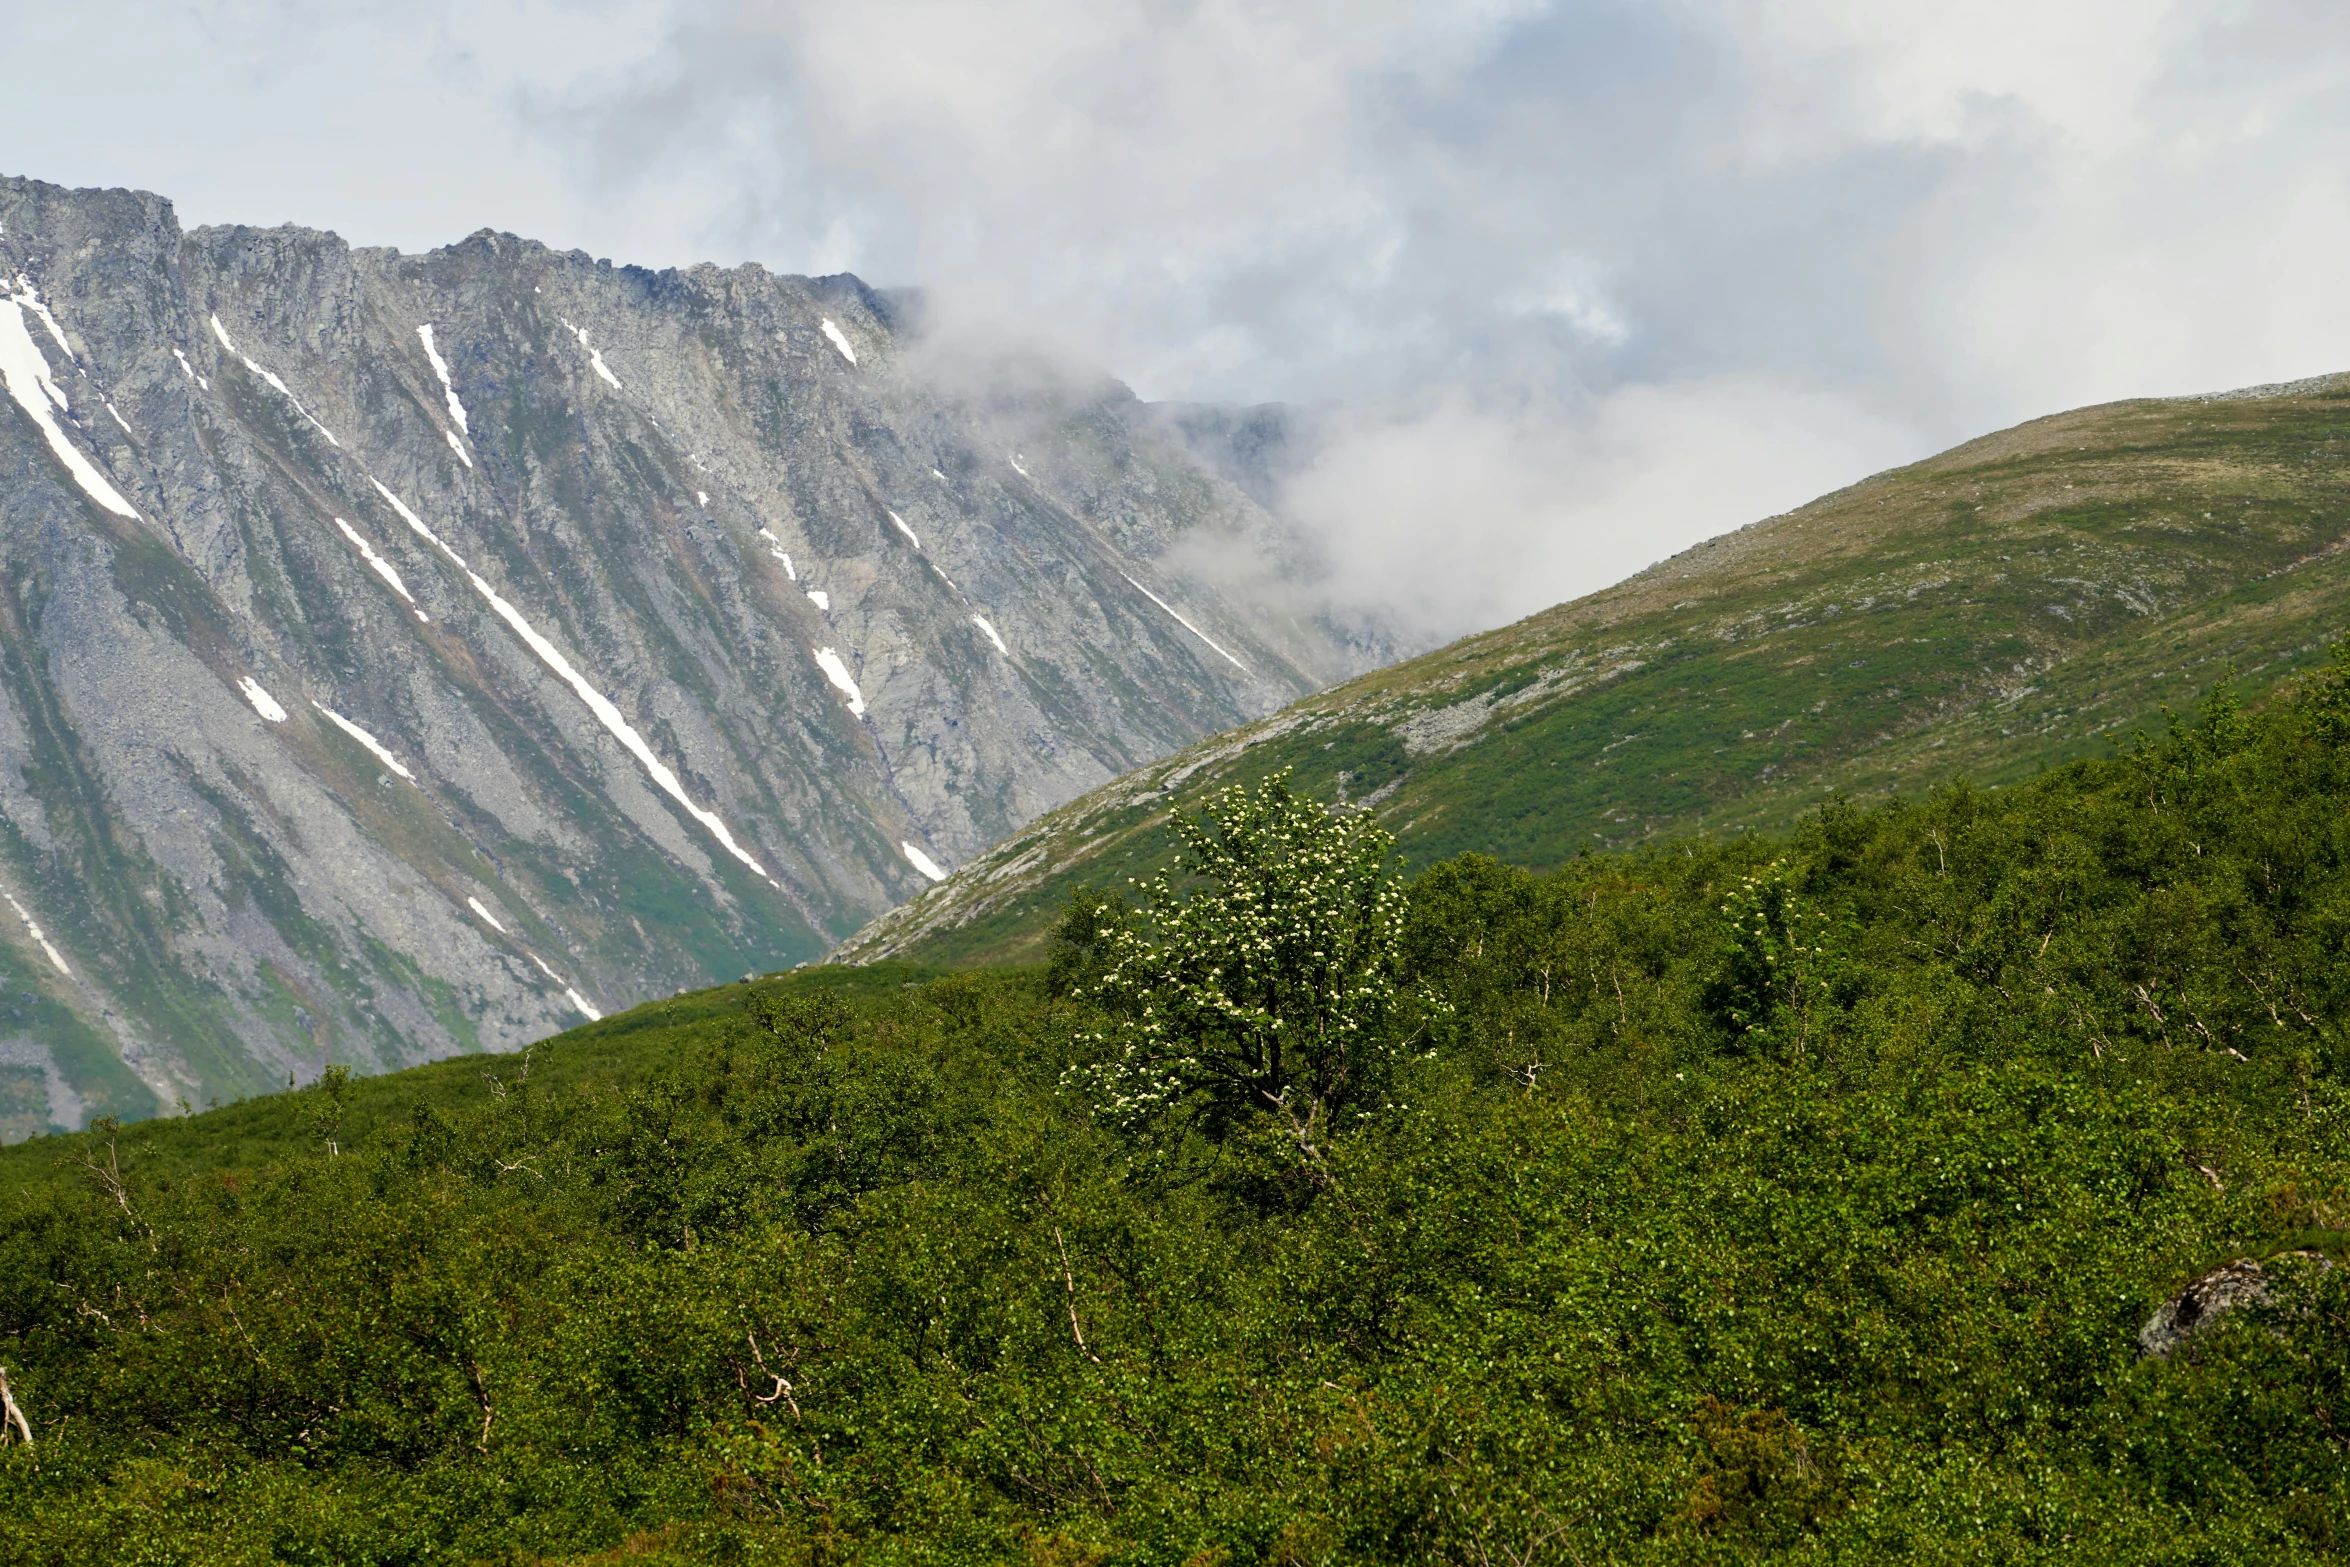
{"points": [[1582, 281]]}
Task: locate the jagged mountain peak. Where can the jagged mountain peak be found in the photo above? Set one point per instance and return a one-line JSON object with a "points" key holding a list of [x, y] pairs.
{"points": [[401, 654]]}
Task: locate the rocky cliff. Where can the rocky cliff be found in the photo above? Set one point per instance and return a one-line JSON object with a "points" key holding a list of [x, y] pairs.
{"points": [[403, 655]]}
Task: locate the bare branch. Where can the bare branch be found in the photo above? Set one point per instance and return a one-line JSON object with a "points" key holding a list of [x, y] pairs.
{"points": [[481, 1391], [1070, 1279], [11, 1413], [109, 1179], [783, 1387]]}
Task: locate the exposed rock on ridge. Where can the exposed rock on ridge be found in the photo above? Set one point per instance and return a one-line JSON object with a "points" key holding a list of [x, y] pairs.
{"points": [[417, 691]]}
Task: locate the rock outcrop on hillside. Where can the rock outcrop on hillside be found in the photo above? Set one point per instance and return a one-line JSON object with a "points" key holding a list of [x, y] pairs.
{"points": [[2203, 1301], [402, 655]]}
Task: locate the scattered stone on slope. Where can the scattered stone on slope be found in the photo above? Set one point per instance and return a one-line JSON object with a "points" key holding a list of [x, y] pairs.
{"points": [[2204, 1301]]}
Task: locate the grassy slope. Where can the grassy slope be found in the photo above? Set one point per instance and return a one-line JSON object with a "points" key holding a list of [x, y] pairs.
{"points": [[2014, 603]]}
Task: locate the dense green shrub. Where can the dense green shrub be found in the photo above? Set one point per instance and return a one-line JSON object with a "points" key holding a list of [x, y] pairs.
{"points": [[1732, 1201]]}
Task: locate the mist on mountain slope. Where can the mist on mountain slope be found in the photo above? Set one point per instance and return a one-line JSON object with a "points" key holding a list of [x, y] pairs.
{"points": [[1659, 269]]}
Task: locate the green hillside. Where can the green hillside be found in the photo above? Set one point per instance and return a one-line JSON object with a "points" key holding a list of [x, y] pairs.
{"points": [[2003, 608], [1788, 1199]]}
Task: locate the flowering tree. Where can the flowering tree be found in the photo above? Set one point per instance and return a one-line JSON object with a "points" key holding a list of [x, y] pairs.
{"points": [[1266, 984], [1780, 972]]}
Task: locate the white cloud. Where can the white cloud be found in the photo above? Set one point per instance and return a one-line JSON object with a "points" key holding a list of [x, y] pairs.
{"points": [[1550, 254], [1457, 516]]}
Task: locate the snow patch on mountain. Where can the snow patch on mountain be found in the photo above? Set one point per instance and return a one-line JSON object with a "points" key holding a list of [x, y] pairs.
{"points": [[417, 523], [374, 746], [1187, 625], [33, 926], [263, 703], [283, 390], [382, 567], [595, 356], [610, 716], [27, 374], [440, 367], [30, 298], [837, 671]]}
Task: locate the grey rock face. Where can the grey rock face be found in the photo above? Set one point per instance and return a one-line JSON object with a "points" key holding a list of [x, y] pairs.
{"points": [[2203, 1302], [371, 693]]}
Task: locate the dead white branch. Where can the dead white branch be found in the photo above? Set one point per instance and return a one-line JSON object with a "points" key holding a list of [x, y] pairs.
{"points": [[481, 1391], [783, 1387], [12, 1413], [1070, 1280]]}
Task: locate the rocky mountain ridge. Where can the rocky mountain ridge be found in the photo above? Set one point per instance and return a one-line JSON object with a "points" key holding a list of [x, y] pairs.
{"points": [[402, 655]]}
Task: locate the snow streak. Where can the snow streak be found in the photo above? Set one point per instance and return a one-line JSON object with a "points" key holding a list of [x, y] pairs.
{"points": [[610, 716], [30, 924], [27, 374], [595, 355], [383, 568], [574, 996], [597, 703], [1187, 625], [375, 747], [487, 918], [30, 297], [221, 332], [417, 523], [923, 862], [440, 367], [837, 672], [271, 377], [263, 703], [839, 342]]}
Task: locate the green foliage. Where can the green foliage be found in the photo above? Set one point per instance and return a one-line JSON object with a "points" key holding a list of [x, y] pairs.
{"points": [[1266, 986], [1780, 977], [1791, 1200], [328, 1101], [2325, 702]]}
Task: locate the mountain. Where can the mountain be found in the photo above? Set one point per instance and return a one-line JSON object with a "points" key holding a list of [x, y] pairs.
{"points": [[406, 655], [2023, 600]]}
